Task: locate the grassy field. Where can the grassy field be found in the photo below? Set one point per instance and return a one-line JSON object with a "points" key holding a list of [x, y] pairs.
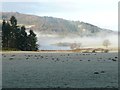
{"points": [[59, 70]]}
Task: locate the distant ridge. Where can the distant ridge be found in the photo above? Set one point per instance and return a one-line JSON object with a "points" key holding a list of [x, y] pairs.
{"points": [[51, 25]]}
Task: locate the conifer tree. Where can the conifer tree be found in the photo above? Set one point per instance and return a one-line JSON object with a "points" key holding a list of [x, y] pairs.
{"points": [[3, 33], [32, 46], [14, 36], [22, 39]]}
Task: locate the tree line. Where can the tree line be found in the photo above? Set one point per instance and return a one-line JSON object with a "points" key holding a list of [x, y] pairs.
{"points": [[16, 37]]}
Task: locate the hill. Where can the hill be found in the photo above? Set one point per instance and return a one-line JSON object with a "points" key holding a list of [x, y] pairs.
{"points": [[51, 25]]}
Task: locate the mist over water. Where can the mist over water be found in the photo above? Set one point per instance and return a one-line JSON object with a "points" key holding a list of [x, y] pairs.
{"points": [[49, 41]]}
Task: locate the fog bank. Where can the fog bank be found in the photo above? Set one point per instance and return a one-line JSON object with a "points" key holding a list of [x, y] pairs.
{"points": [[49, 41]]}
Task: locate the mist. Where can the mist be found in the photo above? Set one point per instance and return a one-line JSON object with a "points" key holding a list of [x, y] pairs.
{"points": [[49, 41]]}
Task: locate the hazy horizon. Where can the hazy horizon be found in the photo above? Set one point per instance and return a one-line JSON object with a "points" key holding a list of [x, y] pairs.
{"points": [[103, 15]]}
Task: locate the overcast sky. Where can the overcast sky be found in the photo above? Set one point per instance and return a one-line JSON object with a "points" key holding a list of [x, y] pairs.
{"points": [[102, 13]]}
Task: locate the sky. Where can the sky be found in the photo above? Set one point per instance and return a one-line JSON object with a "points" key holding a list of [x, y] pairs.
{"points": [[102, 13]]}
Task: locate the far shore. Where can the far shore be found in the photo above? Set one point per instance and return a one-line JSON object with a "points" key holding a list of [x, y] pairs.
{"points": [[56, 51]]}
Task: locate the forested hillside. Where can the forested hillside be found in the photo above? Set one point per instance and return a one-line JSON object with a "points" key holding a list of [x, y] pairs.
{"points": [[51, 25]]}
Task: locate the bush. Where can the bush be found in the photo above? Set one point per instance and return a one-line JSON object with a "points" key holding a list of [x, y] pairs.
{"points": [[106, 51], [10, 49]]}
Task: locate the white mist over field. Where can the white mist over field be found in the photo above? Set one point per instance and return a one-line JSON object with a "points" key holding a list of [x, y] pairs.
{"points": [[49, 41]]}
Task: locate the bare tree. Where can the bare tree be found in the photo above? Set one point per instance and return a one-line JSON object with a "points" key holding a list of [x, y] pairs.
{"points": [[106, 43], [74, 46]]}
